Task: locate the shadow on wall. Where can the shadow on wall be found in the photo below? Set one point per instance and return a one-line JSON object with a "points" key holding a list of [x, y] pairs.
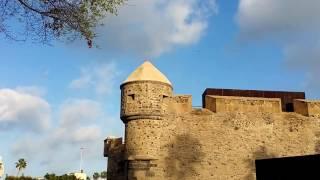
{"points": [[184, 155], [260, 153]]}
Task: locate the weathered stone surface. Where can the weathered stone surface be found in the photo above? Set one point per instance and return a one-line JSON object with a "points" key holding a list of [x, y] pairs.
{"points": [[180, 104], [307, 107], [114, 150], [144, 99], [165, 138], [242, 104]]}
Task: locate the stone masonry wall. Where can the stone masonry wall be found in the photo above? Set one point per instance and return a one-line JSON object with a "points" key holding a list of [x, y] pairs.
{"points": [[114, 150], [143, 139], [144, 98], [206, 145], [180, 104], [166, 139], [307, 107], [197, 144], [242, 104]]}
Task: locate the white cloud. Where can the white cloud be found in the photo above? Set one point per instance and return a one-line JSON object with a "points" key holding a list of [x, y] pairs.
{"points": [[32, 90], [78, 127], [152, 27], [306, 57], [265, 18], [77, 111], [21, 110], [99, 77], [78, 121], [292, 23], [85, 134]]}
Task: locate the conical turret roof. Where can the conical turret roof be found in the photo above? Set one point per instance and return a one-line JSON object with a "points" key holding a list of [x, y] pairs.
{"points": [[147, 72]]}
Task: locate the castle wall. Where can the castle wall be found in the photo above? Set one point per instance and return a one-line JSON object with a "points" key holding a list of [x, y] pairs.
{"points": [[242, 104], [221, 142], [180, 104], [115, 151], [286, 97], [165, 138], [205, 145], [143, 139], [307, 107]]}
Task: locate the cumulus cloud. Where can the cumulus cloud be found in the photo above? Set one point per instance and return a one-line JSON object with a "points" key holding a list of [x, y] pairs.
{"points": [[265, 18], [77, 121], [22, 110], [99, 78], [85, 134], [77, 127], [32, 90], [152, 27], [306, 57], [292, 23], [77, 111]]}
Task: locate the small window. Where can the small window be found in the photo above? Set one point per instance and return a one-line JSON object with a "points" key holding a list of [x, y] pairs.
{"points": [[131, 96], [165, 99]]}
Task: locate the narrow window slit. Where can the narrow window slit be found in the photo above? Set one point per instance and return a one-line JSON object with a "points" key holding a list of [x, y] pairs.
{"points": [[132, 96]]}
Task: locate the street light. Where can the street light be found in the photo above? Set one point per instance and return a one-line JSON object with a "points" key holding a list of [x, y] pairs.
{"points": [[81, 158]]}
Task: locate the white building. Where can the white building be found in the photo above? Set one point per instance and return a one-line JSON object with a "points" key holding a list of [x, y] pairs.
{"points": [[80, 175], [1, 168]]}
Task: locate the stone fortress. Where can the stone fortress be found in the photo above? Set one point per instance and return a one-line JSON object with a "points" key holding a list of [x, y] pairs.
{"points": [[166, 138]]}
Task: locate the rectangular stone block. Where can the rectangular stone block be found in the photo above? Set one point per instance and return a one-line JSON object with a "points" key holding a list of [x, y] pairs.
{"points": [[181, 103], [112, 144], [307, 107], [242, 104]]}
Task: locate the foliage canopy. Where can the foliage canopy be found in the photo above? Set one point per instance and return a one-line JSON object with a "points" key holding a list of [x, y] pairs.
{"points": [[44, 20], [21, 164], [62, 177]]}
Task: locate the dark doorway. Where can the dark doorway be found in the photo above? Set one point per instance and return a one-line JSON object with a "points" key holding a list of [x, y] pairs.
{"points": [[289, 168]]}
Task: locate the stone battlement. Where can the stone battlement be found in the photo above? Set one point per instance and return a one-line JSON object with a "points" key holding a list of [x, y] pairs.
{"points": [[112, 146], [242, 104], [166, 138], [307, 107], [259, 105], [286, 97]]}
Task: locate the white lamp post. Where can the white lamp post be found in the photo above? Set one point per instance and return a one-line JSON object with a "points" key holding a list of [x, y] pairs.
{"points": [[81, 158]]}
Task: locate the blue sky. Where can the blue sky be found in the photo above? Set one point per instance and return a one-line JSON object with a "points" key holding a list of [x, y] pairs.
{"points": [[56, 99]]}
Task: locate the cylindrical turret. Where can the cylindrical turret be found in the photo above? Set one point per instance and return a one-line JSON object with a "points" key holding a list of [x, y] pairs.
{"points": [[144, 99], [144, 102]]}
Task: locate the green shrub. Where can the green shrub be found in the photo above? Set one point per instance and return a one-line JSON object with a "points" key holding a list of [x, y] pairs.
{"points": [[62, 177], [19, 178]]}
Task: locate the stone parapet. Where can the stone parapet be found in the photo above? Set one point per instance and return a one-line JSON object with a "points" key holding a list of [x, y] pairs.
{"points": [[242, 104], [144, 100], [181, 104], [114, 150], [307, 107], [113, 146]]}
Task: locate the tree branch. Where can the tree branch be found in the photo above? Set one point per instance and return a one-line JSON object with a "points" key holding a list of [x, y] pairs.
{"points": [[44, 13]]}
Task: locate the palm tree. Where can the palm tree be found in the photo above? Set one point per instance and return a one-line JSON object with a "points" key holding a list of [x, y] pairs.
{"points": [[96, 176], [20, 165]]}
